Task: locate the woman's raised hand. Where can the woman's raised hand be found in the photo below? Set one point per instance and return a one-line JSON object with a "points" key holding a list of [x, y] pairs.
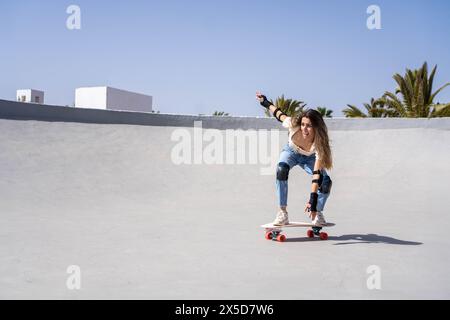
{"points": [[262, 100], [259, 96]]}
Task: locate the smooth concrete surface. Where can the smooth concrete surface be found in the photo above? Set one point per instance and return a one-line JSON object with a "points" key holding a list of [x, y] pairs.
{"points": [[109, 199]]}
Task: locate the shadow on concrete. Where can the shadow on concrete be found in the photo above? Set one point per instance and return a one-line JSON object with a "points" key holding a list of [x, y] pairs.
{"points": [[359, 238]]}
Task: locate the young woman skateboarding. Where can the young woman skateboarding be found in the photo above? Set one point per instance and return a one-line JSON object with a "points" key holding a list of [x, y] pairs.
{"points": [[308, 147]]}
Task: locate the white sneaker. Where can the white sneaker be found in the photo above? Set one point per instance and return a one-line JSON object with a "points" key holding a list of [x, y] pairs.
{"points": [[319, 220], [281, 219]]}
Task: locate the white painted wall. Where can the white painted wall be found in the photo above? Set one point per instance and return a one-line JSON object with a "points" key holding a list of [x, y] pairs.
{"points": [[30, 96], [126, 100], [91, 97], [112, 99]]}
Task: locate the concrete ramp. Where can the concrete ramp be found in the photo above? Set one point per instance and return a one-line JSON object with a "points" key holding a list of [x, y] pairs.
{"points": [[109, 199]]}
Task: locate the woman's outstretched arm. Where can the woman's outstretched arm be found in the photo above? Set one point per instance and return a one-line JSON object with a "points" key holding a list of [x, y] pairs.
{"points": [[277, 113]]}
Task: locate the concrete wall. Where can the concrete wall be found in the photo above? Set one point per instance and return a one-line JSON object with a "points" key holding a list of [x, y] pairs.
{"points": [[24, 111]]}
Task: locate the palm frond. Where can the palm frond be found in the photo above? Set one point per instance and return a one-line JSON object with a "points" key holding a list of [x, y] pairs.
{"points": [[326, 113], [441, 110], [439, 90], [353, 112]]}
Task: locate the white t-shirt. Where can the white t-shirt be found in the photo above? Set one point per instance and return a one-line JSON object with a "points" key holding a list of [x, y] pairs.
{"points": [[287, 123]]}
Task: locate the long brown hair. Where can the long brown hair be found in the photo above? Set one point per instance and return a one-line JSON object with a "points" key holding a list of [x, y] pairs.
{"points": [[321, 140]]}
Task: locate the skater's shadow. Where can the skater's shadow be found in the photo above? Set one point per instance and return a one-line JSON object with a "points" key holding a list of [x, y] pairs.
{"points": [[359, 238]]}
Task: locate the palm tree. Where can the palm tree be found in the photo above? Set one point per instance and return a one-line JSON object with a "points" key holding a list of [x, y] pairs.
{"points": [[220, 114], [353, 112], [441, 110], [416, 93], [375, 109], [288, 106], [326, 113]]}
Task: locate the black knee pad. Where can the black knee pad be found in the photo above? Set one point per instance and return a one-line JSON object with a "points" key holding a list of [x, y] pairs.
{"points": [[283, 171], [325, 184]]}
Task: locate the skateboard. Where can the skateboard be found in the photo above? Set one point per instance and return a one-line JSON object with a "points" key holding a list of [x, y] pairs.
{"points": [[273, 232]]}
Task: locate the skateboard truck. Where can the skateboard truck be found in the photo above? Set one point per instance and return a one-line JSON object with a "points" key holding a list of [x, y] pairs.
{"points": [[275, 235], [273, 232]]}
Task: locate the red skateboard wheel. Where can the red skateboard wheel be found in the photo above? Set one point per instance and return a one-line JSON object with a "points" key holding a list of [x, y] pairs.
{"points": [[281, 238], [269, 235], [310, 234], [323, 235]]}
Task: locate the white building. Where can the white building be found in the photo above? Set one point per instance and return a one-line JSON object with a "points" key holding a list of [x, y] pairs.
{"points": [[112, 99], [30, 96]]}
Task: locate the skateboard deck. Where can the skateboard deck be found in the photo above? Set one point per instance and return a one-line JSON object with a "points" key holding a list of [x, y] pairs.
{"points": [[273, 232]]}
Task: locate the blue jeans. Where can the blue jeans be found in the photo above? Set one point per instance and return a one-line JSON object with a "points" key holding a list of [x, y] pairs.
{"points": [[293, 158]]}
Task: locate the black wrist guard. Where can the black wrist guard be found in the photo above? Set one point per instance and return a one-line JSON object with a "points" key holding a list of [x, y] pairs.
{"points": [[313, 201], [278, 113], [265, 103]]}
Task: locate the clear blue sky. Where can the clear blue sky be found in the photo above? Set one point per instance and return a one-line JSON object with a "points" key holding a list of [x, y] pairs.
{"points": [[201, 56]]}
